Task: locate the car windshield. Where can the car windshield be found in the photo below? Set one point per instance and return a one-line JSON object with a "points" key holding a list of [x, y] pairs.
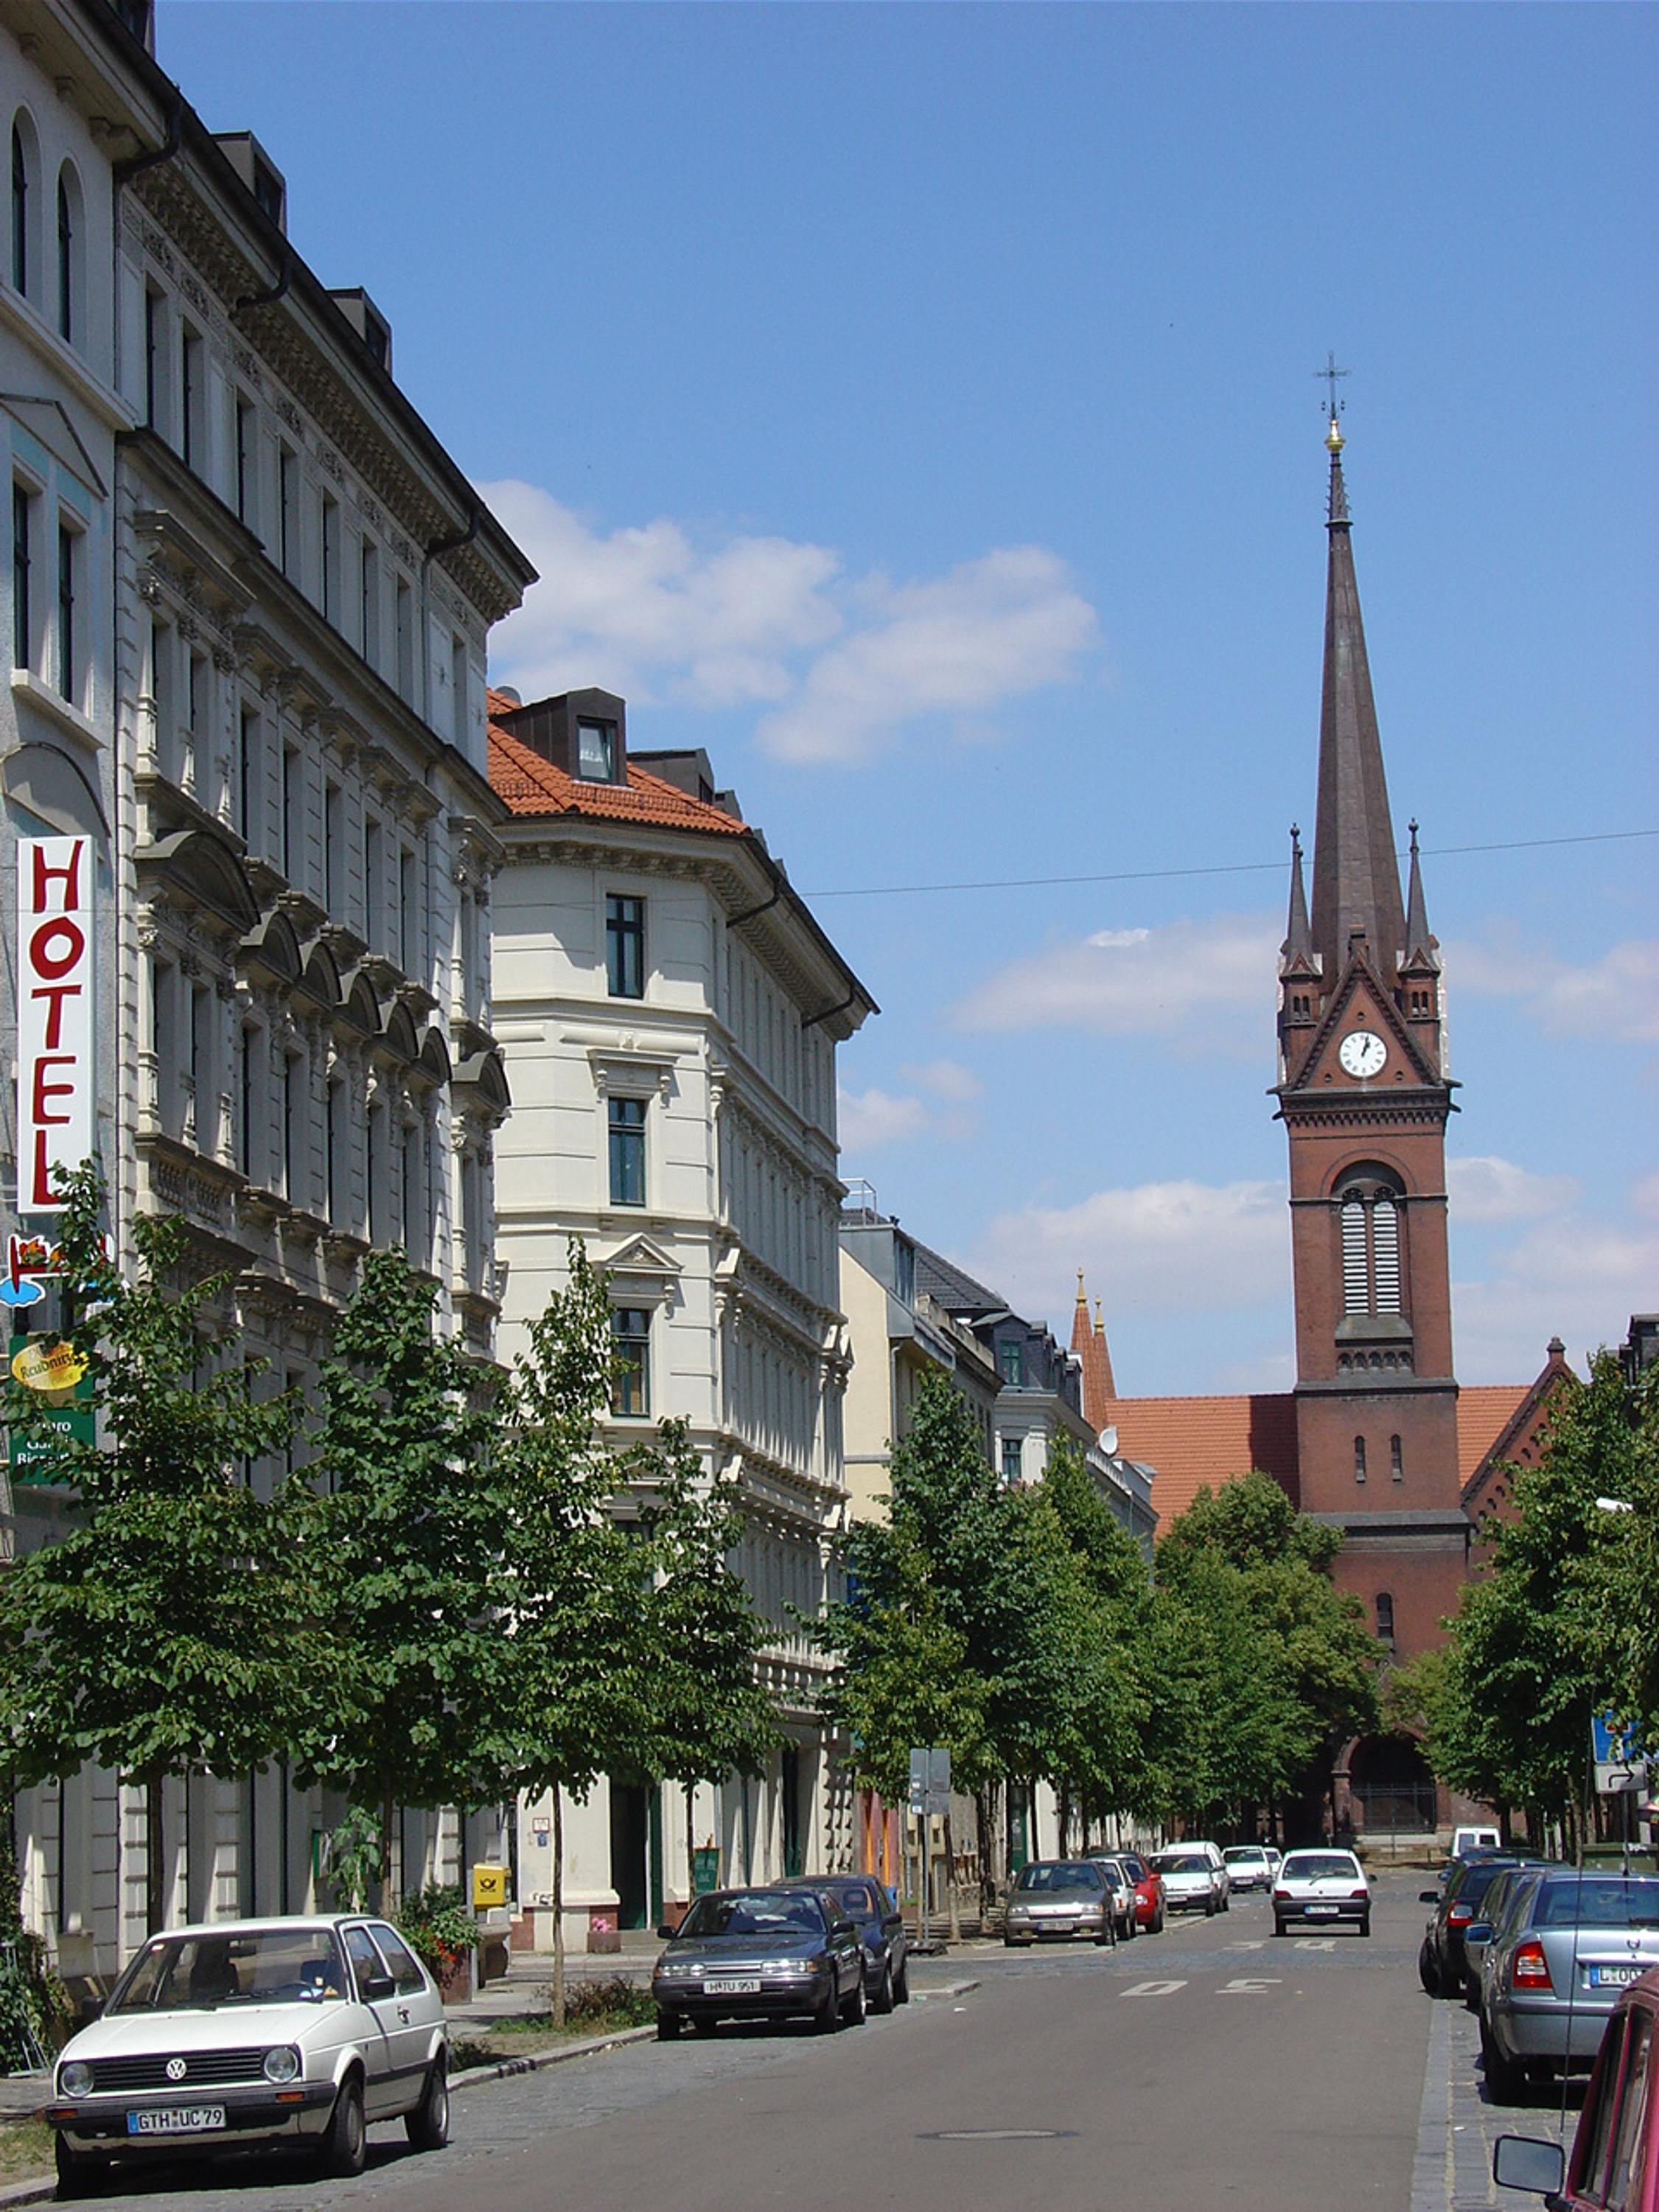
{"points": [[1051, 1876], [755, 1912], [1112, 1876], [1480, 1878], [1244, 1854], [1319, 1866], [1180, 1862], [1598, 1901], [262, 1966]]}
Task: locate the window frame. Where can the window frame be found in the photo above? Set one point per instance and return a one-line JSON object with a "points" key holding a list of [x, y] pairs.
{"points": [[627, 1118], [624, 935], [25, 503], [630, 1375]]}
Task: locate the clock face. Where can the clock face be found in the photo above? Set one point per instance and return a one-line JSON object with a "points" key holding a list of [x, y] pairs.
{"points": [[1362, 1052]]}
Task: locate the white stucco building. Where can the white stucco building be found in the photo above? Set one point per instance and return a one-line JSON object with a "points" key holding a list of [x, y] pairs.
{"points": [[669, 1012]]}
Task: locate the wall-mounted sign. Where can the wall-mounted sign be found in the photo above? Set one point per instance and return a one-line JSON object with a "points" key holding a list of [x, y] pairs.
{"points": [[66, 1416], [49, 1366], [55, 1075]]}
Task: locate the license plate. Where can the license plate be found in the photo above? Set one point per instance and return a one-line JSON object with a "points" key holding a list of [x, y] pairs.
{"points": [[732, 1985], [1323, 1911], [1613, 1977], [177, 2120]]}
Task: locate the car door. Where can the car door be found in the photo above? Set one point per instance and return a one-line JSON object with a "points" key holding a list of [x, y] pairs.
{"points": [[378, 2017], [415, 2009]]}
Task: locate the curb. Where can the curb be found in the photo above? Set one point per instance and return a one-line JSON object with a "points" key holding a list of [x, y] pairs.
{"points": [[949, 1990], [534, 2061], [29, 2192]]}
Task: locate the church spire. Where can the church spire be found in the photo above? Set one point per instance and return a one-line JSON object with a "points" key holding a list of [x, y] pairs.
{"points": [[1356, 881], [1420, 945], [1298, 940]]}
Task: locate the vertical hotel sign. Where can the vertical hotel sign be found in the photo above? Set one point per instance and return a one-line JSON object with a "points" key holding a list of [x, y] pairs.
{"points": [[55, 1076]]}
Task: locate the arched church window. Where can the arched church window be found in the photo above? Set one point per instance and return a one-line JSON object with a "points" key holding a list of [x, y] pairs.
{"points": [[1385, 1616], [1369, 1210], [1360, 1459]]}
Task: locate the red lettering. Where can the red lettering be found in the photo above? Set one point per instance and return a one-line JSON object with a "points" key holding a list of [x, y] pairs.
{"points": [[46, 1199], [40, 1090], [55, 995], [52, 965], [70, 875]]}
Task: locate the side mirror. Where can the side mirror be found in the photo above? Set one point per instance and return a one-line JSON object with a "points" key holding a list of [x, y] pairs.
{"points": [[843, 1927], [665, 1933], [1477, 1931], [377, 1988], [90, 2008], [1527, 2162], [1428, 1897]]}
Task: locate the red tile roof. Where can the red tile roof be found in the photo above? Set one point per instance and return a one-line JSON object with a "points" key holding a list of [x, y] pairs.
{"points": [[1191, 1442], [532, 786], [1484, 1410]]}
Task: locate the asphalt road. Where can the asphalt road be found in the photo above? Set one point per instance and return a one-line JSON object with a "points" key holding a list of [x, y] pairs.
{"points": [[1212, 2066]]}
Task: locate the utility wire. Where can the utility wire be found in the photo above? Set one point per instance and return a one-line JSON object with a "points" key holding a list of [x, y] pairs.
{"points": [[1235, 868]]}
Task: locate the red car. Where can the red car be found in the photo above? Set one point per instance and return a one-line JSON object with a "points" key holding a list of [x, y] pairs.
{"points": [[1615, 2151], [1149, 1892]]}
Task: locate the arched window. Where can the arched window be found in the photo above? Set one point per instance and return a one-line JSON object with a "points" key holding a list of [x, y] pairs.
{"points": [[1385, 1616], [20, 210], [1396, 1459], [1360, 1459], [70, 290], [1368, 1202]]}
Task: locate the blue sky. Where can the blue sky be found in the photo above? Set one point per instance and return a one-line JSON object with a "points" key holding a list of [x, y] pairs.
{"points": [[914, 406]]}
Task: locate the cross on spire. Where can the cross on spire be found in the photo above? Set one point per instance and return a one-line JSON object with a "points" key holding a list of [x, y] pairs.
{"points": [[1329, 375]]}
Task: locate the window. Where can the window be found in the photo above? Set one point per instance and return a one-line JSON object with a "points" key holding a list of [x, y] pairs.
{"points": [[201, 1066], [1010, 1459], [1010, 1361], [596, 751], [368, 593], [23, 615], [405, 1971], [374, 883], [630, 1389], [409, 914], [294, 1123], [288, 492], [376, 1168], [66, 258], [624, 947], [1632, 2107], [247, 774], [458, 687], [155, 339], [333, 847], [406, 641], [20, 211], [329, 547], [1360, 1459], [334, 1149], [1396, 1459], [67, 669], [190, 421], [248, 1041], [1370, 1216], [1384, 1618], [196, 715], [292, 841], [245, 459], [628, 1152]]}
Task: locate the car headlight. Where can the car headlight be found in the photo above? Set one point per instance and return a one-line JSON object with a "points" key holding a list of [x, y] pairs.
{"points": [[75, 2080], [674, 1970], [282, 2064]]}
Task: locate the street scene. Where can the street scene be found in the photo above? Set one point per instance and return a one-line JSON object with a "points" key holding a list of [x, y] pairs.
{"points": [[827, 1203]]}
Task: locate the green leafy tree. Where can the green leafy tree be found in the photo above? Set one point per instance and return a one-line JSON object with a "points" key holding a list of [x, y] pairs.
{"points": [[402, 1555], [154, 1635], [1625, 1576]]}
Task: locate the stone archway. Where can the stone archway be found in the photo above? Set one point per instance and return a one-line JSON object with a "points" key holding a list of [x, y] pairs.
{"points": [[1390, 1788]]}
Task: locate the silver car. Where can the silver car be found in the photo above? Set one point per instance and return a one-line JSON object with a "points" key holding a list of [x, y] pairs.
{"points": [[242, 2033], [1056, 1899], [1554, 1974]]}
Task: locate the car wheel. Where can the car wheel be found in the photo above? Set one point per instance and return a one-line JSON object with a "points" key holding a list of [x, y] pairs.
{"points": [[853, 2005], [669, 2025], [1426, 1972], [1472, 1997], [80, 2172], [1278, 1925], [1506, 2078], [1157, 1925], [1365, 1924], [427, 2125], [885, 2000], [1226, 1901], [826, 2016], [1209, 1908], [344, 2146], [901, 1987], [1450, 1984]]}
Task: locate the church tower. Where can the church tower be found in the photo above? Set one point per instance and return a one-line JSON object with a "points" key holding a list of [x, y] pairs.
{"points": [[1365, 1097]]}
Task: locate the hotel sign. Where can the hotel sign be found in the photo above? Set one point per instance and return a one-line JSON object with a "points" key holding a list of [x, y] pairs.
{"points": [[55, 1075]]}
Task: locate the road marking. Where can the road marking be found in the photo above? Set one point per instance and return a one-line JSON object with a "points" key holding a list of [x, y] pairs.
{"points": [[1315, 1943], [997, 2135], [1153, 1989], [1247, 1947], [1246, 1986]]}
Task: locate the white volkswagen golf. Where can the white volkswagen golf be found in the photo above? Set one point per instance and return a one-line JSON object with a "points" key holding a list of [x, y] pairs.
{"points": [[245, 2033]]}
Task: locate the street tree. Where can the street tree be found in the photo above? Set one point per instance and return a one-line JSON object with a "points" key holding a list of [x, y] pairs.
{"points": [[154, 1636]]}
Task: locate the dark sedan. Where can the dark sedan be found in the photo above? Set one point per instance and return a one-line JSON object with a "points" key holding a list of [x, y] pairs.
{"points": [[869, 1906], [759, 1954], [1440, 1962]]}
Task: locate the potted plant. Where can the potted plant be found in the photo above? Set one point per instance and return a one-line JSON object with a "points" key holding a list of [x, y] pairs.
{"points": [[438, 1925]]}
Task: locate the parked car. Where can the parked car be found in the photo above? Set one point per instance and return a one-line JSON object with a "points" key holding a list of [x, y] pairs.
{"points": [[1477, 1837], [1121, 1885], [1194, 1879], [759, 1954], [1440, 1966], [252, 2032], [868, 1904], [1250, 1866], [1615, 2146], [1506, 1897], [1555, 1976], [1322, 1886], [1149, 1892], [1054, 1900]]}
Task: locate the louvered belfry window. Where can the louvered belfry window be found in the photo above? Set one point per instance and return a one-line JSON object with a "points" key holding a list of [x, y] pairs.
{"points": [[1369, 1215]]}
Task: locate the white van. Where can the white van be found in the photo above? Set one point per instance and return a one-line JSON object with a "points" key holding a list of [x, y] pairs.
{"points": [[1464, 1841]]}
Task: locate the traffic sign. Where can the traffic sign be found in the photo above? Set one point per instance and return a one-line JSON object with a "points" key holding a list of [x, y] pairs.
{"points": [[930, 1780]]}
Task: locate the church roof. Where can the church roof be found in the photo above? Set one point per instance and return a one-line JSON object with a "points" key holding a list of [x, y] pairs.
{"points": [[1356, 876]]}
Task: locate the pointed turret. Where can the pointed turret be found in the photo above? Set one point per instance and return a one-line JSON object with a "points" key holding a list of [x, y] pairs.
{"points": [[1422, 947], [1355, 880], [1102, 1357], [1093, 1359], [1296, 950]]}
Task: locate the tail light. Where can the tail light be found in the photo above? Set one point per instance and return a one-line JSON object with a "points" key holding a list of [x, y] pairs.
{"points": [[1529, 1969], [1359, 1895], [1460, 1916], [1281, 1897]]}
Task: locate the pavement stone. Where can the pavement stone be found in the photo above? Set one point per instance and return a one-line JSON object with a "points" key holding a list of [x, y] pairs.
{"points": [[1459, 2120]]}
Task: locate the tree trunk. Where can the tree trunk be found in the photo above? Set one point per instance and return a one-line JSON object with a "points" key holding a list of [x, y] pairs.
{"points": [[378, 1888], [155, 1783], [1033, 1841], [691, 1843], [982, 1825], [951, 1904], [558, 1906]]}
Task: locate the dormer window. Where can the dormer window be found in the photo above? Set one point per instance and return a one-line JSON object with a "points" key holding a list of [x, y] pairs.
{"points": [[596, 751]]}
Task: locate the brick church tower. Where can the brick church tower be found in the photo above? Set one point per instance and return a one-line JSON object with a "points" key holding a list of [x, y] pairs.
{"points": [[1365, 1097]]}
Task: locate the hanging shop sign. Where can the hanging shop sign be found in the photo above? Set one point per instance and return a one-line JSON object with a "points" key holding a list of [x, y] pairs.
{"points": [[55, 1374], [55, 1076]]}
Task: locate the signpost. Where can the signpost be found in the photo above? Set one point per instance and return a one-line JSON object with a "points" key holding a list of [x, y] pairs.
{"points": [[1620, 1765], [930, 1794]]}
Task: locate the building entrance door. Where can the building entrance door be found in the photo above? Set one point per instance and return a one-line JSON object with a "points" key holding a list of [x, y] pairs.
{"points": [[628, 1850]]}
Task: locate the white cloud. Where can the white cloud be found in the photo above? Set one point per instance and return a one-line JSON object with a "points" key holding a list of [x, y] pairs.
{"points": [[872, 1117], [1574, 1275], [1125, 982], [842, 663], [1176, 1248], [944, 1078], [1615, 995], [959, 644], [1491, 1189]]}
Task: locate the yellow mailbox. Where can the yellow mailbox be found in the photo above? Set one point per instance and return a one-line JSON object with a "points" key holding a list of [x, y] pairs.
{"points": [[488, 1887]]}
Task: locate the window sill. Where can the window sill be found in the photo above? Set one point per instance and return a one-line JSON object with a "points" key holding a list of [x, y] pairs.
{"points": [[26, 685]]}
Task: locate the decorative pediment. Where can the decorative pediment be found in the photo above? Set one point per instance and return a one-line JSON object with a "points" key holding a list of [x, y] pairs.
{"points": [[398, 1032], [197, 863], [484, 1073], [434, 1066], [321, 978], [641, 1271], [1360, 1001], [272, 946], [361, 1008]]}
